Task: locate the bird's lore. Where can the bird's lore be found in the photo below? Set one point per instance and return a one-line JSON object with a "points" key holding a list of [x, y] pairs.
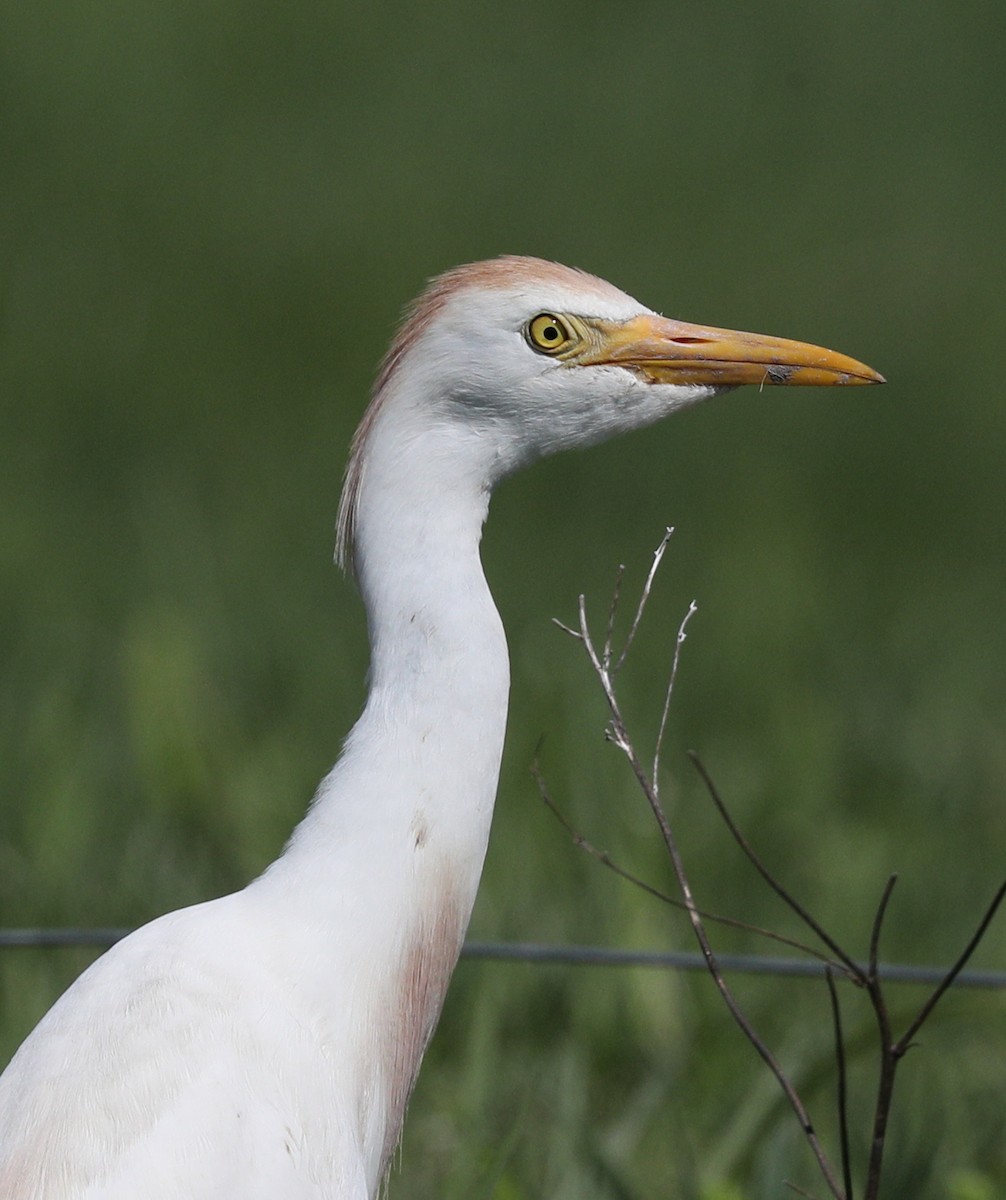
{"points": [[264, 1044]]}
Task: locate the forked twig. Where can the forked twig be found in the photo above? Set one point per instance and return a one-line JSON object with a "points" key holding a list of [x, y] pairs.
{"points": [[606, 665], [892, 1052], [618, 734]]}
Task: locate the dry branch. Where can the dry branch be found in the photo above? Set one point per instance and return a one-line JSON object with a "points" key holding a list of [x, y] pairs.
{"points": [[606, 663]]}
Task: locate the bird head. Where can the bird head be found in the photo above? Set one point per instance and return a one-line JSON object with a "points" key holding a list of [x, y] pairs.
{"points": [[512, 359]]}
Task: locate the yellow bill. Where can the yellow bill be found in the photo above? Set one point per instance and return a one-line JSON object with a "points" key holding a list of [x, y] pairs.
{"points": [[668, 351]]}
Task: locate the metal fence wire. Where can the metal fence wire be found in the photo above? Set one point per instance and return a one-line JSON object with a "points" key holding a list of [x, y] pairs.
{"points": [[575, 956]]}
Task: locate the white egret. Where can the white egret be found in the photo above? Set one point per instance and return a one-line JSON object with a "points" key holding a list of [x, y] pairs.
{"points": [[262, 1046]]}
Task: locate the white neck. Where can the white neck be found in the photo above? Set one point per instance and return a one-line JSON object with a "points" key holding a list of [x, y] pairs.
{"points": [[386, 865]]}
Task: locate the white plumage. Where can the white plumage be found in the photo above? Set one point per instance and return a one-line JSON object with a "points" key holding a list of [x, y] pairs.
{"points": [[263, 1046]]}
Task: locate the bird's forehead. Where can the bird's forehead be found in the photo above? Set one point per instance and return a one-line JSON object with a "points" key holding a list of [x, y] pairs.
{"points": [[516, 287]]}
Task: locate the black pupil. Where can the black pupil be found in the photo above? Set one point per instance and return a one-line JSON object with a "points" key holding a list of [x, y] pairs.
{"points": [[551, 333]]}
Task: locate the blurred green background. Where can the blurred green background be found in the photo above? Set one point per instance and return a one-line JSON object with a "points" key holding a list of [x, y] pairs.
{"points": [[212, 214]]}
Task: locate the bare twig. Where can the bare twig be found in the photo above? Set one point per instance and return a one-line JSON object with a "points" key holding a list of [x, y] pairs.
{"points": [[852, 968], [609, 633], [793, 1187], [868, 977], [618, 735], [842, 1098], [644, 596], [908, 1036], [878, 922], [888, 1060], [605, 859], [679, 641]]}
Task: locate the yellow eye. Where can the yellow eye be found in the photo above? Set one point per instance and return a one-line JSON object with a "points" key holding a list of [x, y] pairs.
{"points": [[548, 333]]}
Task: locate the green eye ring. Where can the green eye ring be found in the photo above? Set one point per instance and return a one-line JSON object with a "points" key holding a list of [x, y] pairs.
{"points": [[549, 334]]}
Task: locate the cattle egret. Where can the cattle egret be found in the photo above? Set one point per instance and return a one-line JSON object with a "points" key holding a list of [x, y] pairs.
{"points": [[262, 1046]]}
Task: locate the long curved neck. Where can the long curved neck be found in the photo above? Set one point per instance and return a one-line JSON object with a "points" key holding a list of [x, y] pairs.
{"points": [[427, 747], [434, 722], [386, 864], [429, 742]]}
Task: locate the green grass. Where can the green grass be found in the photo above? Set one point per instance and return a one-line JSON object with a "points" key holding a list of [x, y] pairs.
{"points": [[211, 216]]}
